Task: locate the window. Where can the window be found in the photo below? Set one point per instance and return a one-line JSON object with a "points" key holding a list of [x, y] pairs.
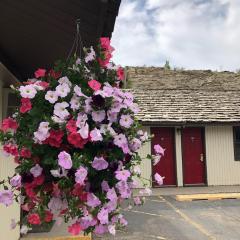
{"points": [[10, 102], [236, 138]]}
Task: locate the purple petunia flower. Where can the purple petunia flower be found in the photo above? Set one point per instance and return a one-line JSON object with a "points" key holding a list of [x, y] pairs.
{"points": [[81, 175], [64, 160], [126, 121], [99, 163], [36, 171], [6, 197]]}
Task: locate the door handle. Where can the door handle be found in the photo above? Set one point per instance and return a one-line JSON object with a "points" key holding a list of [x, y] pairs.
{"points": [[201, 157]]}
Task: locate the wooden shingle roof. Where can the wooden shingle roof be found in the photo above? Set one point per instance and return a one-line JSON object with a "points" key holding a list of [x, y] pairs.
{"points": [[182, 97]]}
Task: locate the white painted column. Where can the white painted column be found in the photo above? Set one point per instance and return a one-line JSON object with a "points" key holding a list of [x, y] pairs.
{"points": [[146, 165], [7, 166], [178, 145]]}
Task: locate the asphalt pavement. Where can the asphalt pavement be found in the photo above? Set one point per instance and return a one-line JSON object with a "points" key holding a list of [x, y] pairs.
{"points": [[165, 218]]}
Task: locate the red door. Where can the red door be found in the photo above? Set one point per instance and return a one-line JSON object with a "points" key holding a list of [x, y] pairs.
{"points": [[193, 156], [166, 166]]}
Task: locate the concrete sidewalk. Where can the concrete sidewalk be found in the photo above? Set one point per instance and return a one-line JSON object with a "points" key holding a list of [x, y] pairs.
{"points": [[169, 191]]}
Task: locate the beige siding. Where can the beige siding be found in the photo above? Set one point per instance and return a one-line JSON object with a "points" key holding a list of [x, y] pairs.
{"points": [[146, 166], [178, 145], [7, 169], [221, 167]]}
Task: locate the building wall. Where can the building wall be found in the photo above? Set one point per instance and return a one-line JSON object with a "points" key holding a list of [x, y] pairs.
{"points": [[178, 151], [7, 166], [221, 167], [146, 165]]}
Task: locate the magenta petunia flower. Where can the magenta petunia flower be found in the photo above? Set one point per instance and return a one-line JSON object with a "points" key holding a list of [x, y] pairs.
{"points": [[99, 163], [64, 160], [6, 197], [94, 85]]}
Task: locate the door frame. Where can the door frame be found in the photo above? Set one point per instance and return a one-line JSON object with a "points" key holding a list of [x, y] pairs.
{"points": [[204, 155], [174, 156]]}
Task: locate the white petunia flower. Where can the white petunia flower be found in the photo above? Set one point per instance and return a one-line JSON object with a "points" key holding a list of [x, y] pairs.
{"points": [[51, 96], [28, 91]]}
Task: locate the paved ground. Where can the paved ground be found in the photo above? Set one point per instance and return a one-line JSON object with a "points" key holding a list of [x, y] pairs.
{"points": [[166, 219]]}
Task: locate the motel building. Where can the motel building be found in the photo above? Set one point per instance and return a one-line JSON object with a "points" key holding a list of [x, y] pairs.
{"points": [[195, 117], [34, 34]]}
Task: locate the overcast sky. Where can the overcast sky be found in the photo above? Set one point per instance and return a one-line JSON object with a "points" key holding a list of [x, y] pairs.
{"points": [[191, 34]]}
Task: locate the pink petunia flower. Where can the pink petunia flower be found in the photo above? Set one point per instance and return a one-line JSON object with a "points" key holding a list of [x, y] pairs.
{"points": [[78, 91], [9, 124], [158, 179], [64, 160], [137, 200], [135, 144], [112, 229], [60, 110], [158, 149], [98, 116], [100, 229], [84, 131], [36, 171], [6, 197], [103, 216], [75, 228], [120, 140], [111, 194], [16, 181], [81, 175], [56, 204], [120, 73], [92, 200], [94, 85], [126, 121], [26, 105], [75, 103], [65, 80], [96, 135], [122, 175], [90, 55], [99, 163], [40, 73], [105, 186]]}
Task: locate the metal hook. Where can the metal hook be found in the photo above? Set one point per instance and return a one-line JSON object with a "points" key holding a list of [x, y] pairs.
{"points": [[78, 23]]}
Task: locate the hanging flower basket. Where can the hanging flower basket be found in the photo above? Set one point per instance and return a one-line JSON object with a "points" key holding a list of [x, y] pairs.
{"points": [[75, 138]]}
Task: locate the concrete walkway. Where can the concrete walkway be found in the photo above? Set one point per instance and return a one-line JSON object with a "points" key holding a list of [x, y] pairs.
{"points": [[169, 191]]}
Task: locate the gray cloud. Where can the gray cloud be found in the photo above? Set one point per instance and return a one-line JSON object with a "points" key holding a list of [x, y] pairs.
{"points": [[193, 34]]}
